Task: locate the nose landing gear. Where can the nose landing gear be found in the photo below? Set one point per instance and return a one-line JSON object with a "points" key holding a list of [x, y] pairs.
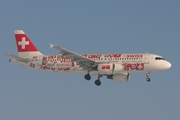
{"points": [[147, 77]]}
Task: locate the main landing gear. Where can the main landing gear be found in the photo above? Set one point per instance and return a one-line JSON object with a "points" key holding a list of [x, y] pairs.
{"points": [[147, 77], [97, 82], [87, 76]]}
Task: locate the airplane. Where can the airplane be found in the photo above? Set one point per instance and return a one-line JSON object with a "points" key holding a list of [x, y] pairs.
{"points": [[116, 67]]}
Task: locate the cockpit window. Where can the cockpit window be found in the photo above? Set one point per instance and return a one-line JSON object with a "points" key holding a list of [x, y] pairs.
{"points": [[159, 58]]}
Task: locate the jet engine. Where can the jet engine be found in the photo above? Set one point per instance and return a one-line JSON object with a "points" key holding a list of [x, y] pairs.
{"points": [[122, 77]]}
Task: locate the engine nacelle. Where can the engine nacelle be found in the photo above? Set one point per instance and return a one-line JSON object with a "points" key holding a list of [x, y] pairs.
{"points": [[123, 77], [109, 68]]}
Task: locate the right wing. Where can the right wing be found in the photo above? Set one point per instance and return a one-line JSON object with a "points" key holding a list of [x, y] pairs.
{"points": [[84, 62], [18, 58]]}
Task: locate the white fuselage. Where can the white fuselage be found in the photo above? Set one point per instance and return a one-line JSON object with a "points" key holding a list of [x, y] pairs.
{"points": [[123, 63], [114, 66]]}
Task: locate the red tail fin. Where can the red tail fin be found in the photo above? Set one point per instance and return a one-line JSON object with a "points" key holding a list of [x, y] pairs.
{"points": [[24, 45]]}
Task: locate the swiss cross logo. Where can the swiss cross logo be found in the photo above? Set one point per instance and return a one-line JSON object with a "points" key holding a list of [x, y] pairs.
{"points": [[23, 43]]}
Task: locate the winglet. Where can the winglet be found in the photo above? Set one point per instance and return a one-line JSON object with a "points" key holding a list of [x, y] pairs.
{"points": [[51, 45], [54, 46], [57, 47]]}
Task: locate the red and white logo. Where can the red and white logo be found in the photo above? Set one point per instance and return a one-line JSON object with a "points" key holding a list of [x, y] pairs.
{"points": [[23, 43], [134, 66], [32, 65], [106, 67]]}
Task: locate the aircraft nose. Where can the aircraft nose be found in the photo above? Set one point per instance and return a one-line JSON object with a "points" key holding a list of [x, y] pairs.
{"points": [[168, 65]]}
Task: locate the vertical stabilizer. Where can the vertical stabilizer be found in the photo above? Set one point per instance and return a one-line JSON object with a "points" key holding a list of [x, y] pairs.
{"points": [[24, 45]]}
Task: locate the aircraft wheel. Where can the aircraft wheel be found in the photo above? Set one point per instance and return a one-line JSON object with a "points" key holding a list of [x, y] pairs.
{"points": [[148, 79], [98, 82], [87, 77]]}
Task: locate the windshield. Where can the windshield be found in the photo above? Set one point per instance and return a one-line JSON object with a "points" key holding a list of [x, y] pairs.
{"points": [[159, 58]]}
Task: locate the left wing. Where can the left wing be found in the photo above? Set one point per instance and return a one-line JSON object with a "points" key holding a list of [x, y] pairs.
{"points": [[84, 62]]}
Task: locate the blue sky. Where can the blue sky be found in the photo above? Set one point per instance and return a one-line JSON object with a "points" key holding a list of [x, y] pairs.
{"points": [[96, 26]]}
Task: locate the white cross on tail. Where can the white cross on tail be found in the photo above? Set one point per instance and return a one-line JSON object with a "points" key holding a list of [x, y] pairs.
{"points": [[23, 43]]}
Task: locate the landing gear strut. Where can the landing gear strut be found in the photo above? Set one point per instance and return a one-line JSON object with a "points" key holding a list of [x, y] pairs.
{"points": [[87, 76], [147, 77], [98, 82]]}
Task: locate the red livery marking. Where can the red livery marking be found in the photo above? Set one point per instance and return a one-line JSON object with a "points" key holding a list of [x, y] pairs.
{"points": [[112, 55], [24, 44], [105, 67], [60, 69], [66, 69], [32, 65], [51, 56], [53, 69], [58, 57], [99, 55], [34, 57], [135, 66], [72, 64], [135, 56], [44, 60], [64, 57], [45, 68], [93, 56]]}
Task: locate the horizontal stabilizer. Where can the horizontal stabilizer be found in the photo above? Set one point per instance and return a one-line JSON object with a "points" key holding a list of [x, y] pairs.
{"points": [[18, 58]]}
